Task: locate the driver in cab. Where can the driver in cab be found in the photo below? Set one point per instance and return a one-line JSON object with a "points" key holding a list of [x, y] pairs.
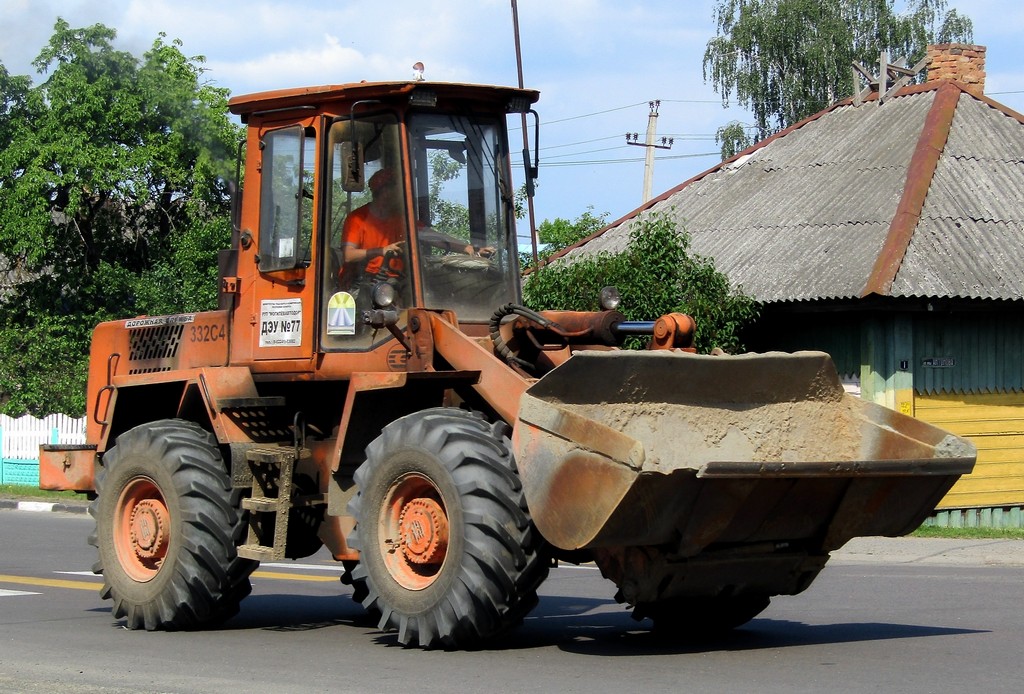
{"points": [[373, 233]]}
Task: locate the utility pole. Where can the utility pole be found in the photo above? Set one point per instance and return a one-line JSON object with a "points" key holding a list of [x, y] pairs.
{"points": [[666, 143], [534, 241]]}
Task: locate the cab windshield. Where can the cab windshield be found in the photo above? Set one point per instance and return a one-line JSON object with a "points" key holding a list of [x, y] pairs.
{"points": [[366, 228], [463, 204], [454, 226]]}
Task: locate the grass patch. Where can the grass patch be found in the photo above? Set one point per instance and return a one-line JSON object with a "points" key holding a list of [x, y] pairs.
{"points": [[22, 491], [970, 533]]}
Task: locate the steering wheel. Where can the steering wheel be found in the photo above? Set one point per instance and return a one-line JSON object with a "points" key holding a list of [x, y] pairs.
{"points": [[465, 263], [387, 273]]}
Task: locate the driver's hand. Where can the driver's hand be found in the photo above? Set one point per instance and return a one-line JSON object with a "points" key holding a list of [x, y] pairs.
{"points": [[395, 247], [487, 252]]}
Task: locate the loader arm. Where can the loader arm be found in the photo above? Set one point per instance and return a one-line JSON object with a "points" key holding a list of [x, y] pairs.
{"points": [[435, 335]]}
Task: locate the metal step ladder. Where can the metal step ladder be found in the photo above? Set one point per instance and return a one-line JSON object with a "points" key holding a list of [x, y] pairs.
{"points": [[270, 503], [271, 468]]}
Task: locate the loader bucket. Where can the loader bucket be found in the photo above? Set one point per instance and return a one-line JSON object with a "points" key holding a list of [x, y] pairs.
{"points": [[623, 448]]}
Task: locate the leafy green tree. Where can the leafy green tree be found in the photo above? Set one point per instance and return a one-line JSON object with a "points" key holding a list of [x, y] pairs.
{"points": [[112, 202], [656, 274], [785, 60], [560, 233], [13, 103], [554, 235], [733, 138], [450, 216]]}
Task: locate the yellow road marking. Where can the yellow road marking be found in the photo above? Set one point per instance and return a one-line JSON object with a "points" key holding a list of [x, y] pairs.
{"points": [[50, 582], [293, 577], [95, 585]]}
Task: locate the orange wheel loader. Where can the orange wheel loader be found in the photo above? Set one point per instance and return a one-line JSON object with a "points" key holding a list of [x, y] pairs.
{"points": [[372, 383]]}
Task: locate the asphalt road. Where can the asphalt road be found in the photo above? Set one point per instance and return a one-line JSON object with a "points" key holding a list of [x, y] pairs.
{"points": [[885, 615]]}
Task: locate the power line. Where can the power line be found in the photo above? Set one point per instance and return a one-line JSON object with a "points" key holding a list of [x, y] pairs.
{"points": [[582, 142], [692, 137], [586, 151], [641, 103], [596, 113], [623, 108], [691, 100], [628, 160], [674, 101]]}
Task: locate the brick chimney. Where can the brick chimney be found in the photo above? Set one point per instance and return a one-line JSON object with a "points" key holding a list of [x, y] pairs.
{"points": [[958, 61]]}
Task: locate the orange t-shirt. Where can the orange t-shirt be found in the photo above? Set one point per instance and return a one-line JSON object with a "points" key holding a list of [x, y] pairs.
{"points": [[366, 230]]}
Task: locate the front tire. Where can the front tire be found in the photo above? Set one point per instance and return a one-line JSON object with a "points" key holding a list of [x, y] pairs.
{"points": [[448, 554], [167, 522]]}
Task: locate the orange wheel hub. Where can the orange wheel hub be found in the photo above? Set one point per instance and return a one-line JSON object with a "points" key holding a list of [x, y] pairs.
{"points": [[414, 531], [142, 527], [148, 528], [424, 530]]}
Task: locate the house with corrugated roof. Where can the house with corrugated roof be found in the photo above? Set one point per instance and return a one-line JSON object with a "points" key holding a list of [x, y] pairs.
{"points": [[889, 232]]}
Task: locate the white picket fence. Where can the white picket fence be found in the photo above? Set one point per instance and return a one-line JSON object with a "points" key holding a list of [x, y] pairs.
{"points": [[20, 439]]}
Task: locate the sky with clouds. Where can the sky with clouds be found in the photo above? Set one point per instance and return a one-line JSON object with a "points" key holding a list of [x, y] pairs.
{"points": [[597, 64]]}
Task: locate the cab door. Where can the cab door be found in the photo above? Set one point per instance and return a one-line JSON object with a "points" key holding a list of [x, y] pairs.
{"points": [[284, 291]]}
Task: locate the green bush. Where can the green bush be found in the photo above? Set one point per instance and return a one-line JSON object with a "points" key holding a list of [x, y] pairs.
{"points": [[656, 274]]}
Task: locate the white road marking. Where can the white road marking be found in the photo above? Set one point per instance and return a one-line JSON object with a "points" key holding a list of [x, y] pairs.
{"points": [[12, 593], [76, 573], [35, 506]]}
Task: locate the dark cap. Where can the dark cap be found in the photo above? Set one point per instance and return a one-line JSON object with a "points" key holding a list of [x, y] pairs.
{"points": [[381, 179]]}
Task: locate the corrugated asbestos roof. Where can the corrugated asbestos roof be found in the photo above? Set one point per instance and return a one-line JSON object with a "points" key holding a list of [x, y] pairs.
{"points": [[826, 209]]}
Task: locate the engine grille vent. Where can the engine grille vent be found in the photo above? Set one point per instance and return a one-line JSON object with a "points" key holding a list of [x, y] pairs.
{"points": [[153, 348]]}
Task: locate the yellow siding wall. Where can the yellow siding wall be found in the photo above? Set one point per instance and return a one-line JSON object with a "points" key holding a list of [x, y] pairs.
{"points": [[995, 424]]}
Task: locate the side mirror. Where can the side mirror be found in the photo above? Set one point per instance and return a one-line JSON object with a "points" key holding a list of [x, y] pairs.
{"points": [[353, 178]]}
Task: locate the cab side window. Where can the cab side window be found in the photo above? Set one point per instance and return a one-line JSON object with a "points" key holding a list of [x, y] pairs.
{"points": [[286, 211]]}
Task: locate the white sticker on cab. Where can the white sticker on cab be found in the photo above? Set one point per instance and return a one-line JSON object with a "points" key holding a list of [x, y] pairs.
{"points": [[281, 323]]}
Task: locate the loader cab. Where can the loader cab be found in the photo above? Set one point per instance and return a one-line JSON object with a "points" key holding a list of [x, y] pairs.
{"points": [[371, 193]]}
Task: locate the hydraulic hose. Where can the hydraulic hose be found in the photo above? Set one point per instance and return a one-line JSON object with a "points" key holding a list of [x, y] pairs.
{"points": [[500, 346]]}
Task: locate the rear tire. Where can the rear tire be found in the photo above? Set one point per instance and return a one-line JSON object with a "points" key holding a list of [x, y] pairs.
{"points": [[167, 523], [449, 556]]}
